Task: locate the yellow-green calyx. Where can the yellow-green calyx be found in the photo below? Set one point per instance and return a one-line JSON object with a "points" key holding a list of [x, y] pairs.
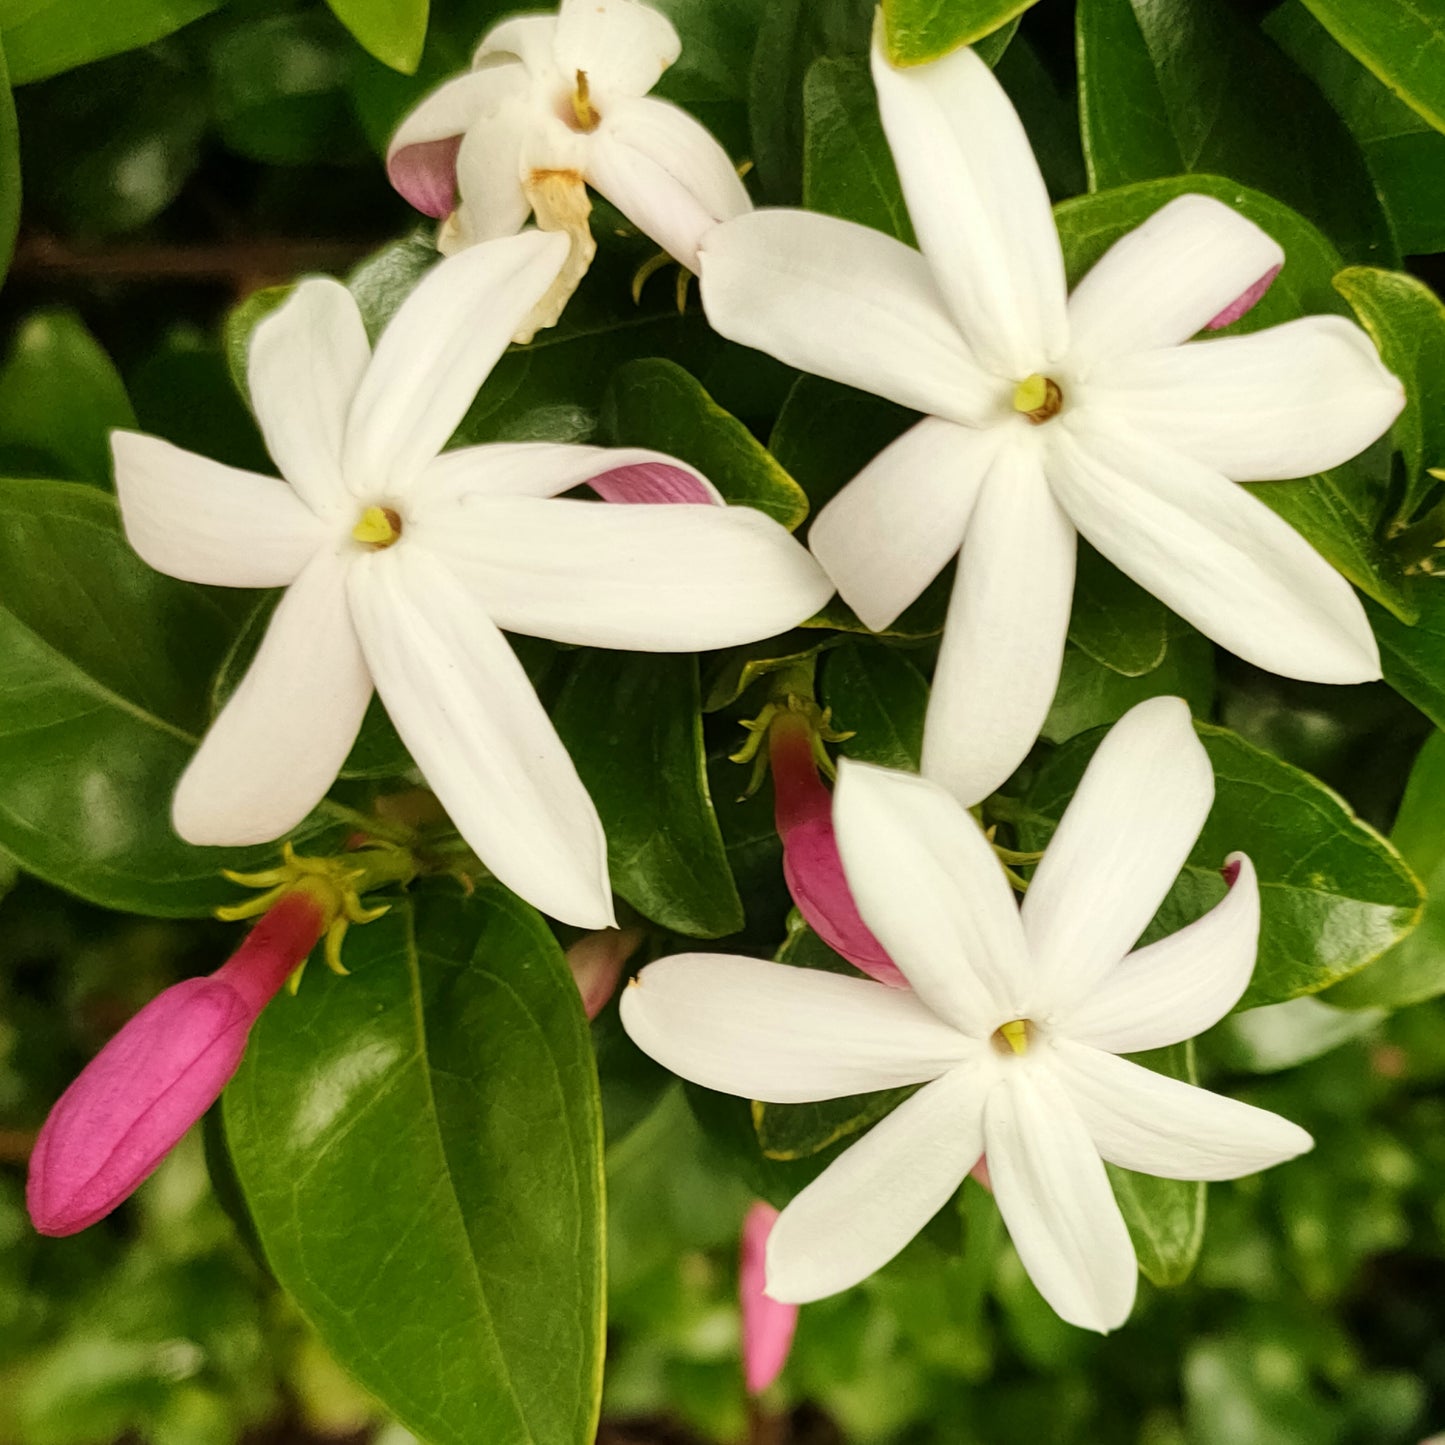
{"points": [[1012, 1037], [1038, 398], [379, 527], [583, 111], [337, 884], [793, 714]]}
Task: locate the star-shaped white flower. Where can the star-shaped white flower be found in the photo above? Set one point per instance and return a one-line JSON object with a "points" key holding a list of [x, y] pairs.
{"points": [[1050, 416], [554, 101], [401, 564], [1014, 1025]]}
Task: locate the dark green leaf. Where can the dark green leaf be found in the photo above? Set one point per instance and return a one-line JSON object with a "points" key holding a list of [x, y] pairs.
{"points": [[1400, 43], [44, 37], [1334, 895], [880, 697], [1407, 322], [633, 724], [1414, 656], [9, 169], [1173, 87], [656, 404], [922, 30], [1114, 619], [394, 31], [420, 1148]]}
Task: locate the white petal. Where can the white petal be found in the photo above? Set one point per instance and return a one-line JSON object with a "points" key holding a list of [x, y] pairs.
{"points": [[847, 303], [1153, 1124], [304, 365], [623, 46], [1055, 1199], [468, 714], [436, 352], [978, 205], [1003, 641], [1120, 845], [784, 1035], [200, 521], [1181, 985], [280, 740], [1167, 279], [535, 469], [900, 521], [650, 197], [530, 38], [1215, 554], [932, 890], [655, 577], [871, 1200], [492, 201]]}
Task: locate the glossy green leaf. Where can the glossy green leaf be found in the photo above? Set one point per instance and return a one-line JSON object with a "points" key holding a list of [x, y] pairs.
{"points": [[394, 31], [1407, 322], [633, 725], [1338, 512], [104, 670], [420, 1148], [1178, 87], [1400, 43], [1414, 969], [878, 695], [1413, 657], [922, 30], [9, 168], [656, 404], [1114, 619], [1334, 895], [44, 37], [60, 395]]}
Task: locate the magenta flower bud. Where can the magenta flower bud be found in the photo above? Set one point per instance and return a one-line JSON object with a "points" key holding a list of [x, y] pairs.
{"points": [[767, 1325], [654, 482], [803, 812], [157, 1076], [596, 961]]}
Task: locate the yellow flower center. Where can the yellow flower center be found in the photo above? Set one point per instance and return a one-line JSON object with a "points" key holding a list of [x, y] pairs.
{"points": [[379, 527], [585, 116], [1013, 1037], [1038, 398]]}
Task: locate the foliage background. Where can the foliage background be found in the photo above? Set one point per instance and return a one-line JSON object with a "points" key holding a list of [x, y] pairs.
{"points": [[179, 156]]}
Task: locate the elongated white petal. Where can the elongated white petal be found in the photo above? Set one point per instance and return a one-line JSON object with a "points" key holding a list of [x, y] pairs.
{"points": [[847, 303], [871, 1200], [1176, 988], [650, 197], [546, 469], [650, 578], [491, 200], [781, 1034], [1055, 1199], [1003, 641], [304, 365], [1211, 551], [437, 351], [530, 38], [280, 740], [932, 890], [1118, 849], [622, 46], [1167, 279], [1157, 1125], [1287, 402], [200, 521], [900, 521], [978, 205], [468, 714]]}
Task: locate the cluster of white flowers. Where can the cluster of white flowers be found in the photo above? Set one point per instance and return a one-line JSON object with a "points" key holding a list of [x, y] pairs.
{"points": [[1046, 416]]}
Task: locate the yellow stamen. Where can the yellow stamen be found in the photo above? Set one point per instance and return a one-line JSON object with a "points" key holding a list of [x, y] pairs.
{"points": [[379, 527], [582, 107], [1038, 398], [1016, 1035]]}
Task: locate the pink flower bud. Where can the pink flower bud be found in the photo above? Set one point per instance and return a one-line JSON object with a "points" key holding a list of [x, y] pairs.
{"points": [[596, 961], [1246, 301], [767, 1325], [980, 1172], [803, 812], [651, 482], [159, 1074]]}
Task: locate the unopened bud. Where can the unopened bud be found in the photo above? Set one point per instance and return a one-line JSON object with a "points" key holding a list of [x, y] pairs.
{"points": [[596, 961], [768, 1325]]}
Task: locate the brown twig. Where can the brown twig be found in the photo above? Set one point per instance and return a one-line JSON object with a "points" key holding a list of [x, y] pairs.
{"points": [[15, 1145]]}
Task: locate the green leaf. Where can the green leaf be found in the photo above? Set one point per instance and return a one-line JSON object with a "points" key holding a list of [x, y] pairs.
{"points": [[633, 725], [44, 37], [1114, 619], [656, 404], [420, 1147], [922, 30], [394, 31], [60, 395], [1400, 43], [1413, 657], [1407, 322], [1338, 512], [1174, 87], [1165, 1216], [9, 169], [879, 696], [1334, 895], [104, 669], [1414, 969]]}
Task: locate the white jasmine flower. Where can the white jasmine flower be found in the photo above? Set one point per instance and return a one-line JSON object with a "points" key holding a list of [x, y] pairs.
{"points": [[402, 565], [553, 104], [1051, 415], [1014, 1025]]}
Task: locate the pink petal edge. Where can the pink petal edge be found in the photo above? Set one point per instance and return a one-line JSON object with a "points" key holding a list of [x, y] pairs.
{"points": [[767, 1325], [426, 174], [1244, 302], [650, 482]]}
